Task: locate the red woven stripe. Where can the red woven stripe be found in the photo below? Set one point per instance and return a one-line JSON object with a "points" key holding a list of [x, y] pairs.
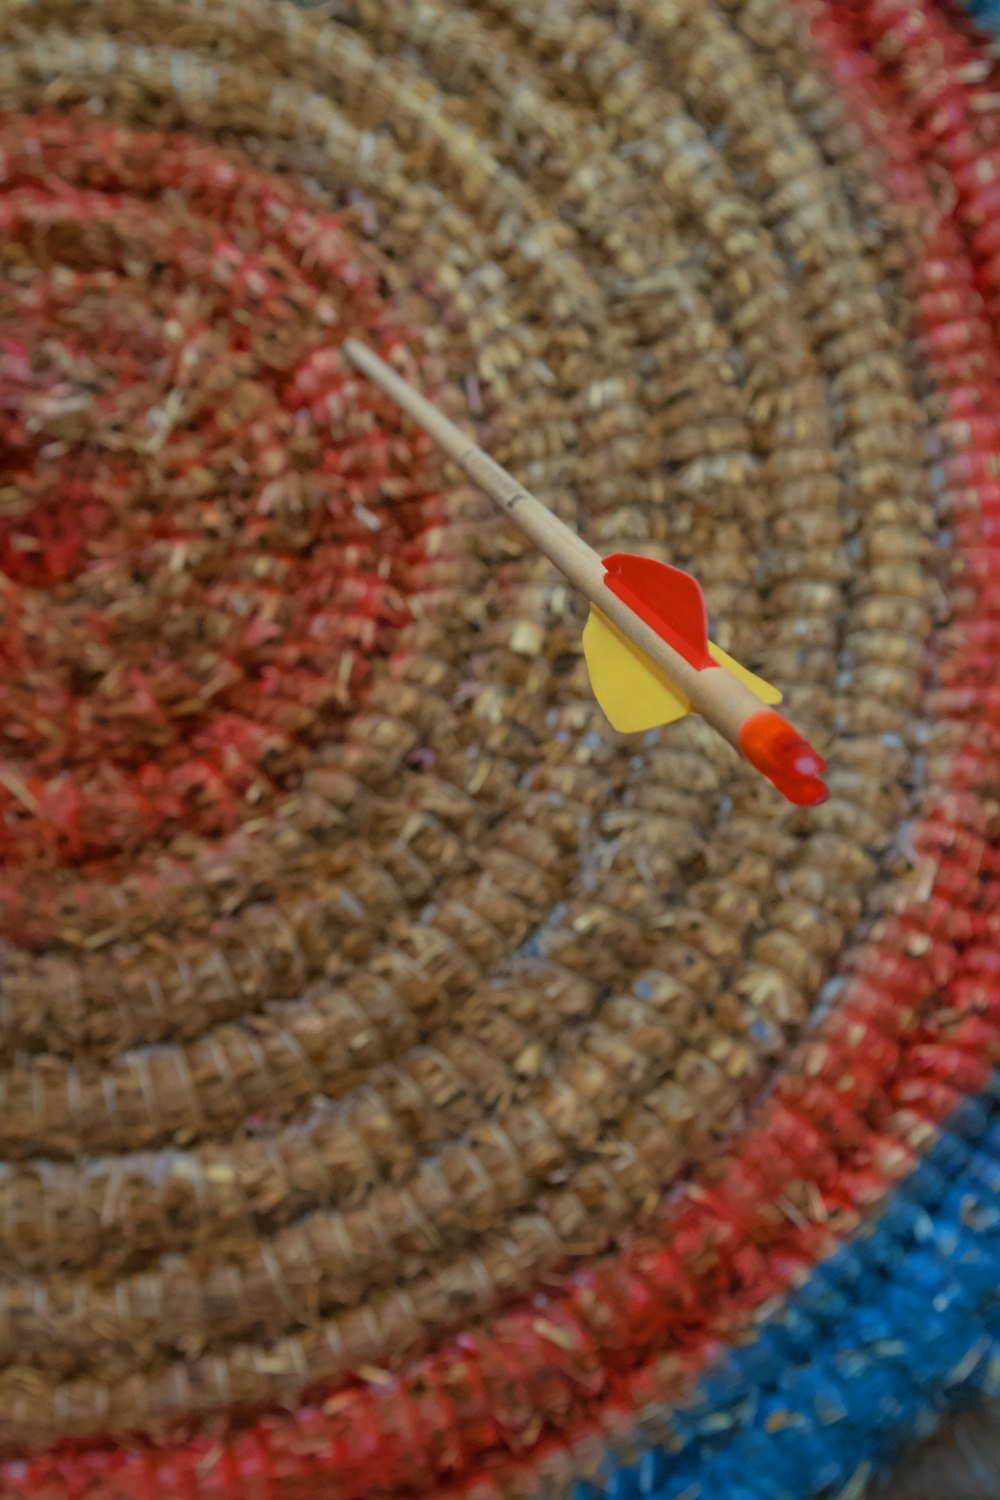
{"points": [[253, 287]]}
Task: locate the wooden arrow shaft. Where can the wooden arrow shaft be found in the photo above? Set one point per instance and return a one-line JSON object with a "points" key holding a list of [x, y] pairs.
{"points": [[720, 698]]}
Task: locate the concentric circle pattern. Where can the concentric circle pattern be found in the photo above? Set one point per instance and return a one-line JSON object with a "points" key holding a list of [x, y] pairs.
{"points": [[205, 535], [364, 996]]}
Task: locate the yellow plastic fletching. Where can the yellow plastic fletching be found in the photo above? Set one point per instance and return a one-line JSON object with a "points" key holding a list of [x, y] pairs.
{"points": [[631, 693], [633, 696], [763, 690]]}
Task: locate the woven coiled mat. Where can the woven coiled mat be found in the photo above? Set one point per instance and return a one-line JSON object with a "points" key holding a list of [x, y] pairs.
{"points": [[410, 1087]]}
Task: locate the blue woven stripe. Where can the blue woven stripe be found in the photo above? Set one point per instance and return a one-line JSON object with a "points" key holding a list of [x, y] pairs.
{"points": [[900, 1325], [984, 12]]}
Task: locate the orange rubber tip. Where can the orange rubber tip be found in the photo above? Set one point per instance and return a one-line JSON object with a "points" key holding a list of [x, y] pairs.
{"points": [[773, 747]]}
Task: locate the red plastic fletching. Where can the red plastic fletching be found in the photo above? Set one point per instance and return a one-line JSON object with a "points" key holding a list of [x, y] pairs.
{"points": [[775, 749], [669, 601]]}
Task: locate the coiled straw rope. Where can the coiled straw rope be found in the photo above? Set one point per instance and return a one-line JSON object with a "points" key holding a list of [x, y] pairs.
{"points": [[355, 974]]}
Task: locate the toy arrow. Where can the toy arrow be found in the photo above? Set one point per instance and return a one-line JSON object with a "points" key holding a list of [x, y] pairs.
{"points": [[646, 640]]}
